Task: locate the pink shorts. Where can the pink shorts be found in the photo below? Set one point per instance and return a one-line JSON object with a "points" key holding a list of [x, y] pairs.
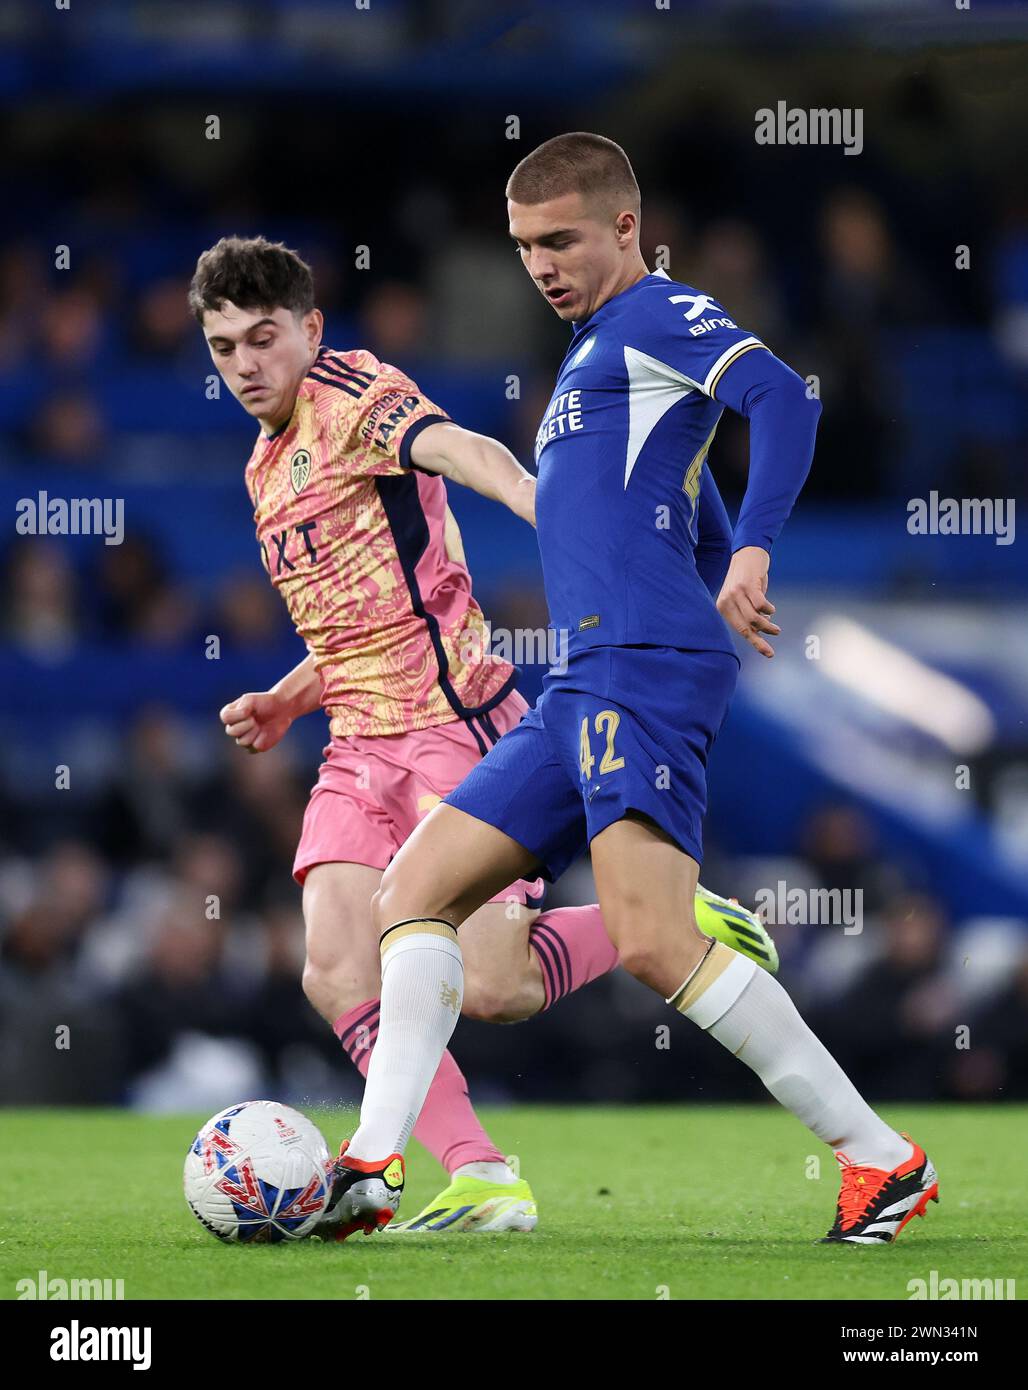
{"points": [[372, 791]]}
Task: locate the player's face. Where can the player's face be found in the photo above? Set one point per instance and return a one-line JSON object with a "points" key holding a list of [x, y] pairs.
{"points": [[263, 356], [573, 252]]}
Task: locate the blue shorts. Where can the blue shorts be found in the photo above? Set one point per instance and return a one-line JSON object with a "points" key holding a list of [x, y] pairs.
{"points": [[623, 729]]}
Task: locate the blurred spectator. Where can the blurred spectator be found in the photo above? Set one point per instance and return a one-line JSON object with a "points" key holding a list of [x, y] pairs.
{"points": [[184, 987], [41, 588], [210, 867], [22, 290], [136, 599], [258, 801], [267, 790], [866, 282], [393, 322], [71, 888], [841, 847], [732, 266], [887, 1030], [161, 330], [71, 324], [69, 430], [995, 1065], [463, 328], [151, 801], [283, 1018], [1010, 288], [521, 607], [666, 239]]}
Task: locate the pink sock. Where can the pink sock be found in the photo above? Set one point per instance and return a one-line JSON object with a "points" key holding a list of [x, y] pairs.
{"points": [[447, 1126], [573, 948]]}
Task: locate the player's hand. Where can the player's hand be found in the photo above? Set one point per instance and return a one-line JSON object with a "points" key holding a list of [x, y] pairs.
{"points": [[743, 601], [256, 721]]}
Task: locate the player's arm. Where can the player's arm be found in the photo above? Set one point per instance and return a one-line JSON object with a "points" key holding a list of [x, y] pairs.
{"points": [[783, 422], [299, 691], [477, 462], [396, 427], [260, 719]]}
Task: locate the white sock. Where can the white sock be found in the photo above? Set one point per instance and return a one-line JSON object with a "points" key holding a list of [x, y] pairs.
{"points": [[422, 992], [761, 1026], [486, 1172]]}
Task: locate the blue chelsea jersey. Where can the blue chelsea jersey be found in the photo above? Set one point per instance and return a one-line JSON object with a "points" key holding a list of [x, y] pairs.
{"points": [[620, 454]]}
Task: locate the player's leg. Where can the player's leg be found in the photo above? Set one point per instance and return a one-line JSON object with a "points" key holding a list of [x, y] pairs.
{"points": [[446, 870], [644, 881], [646, 887], [341, 969], [503, 977], [644, 763], [451, 865], [342, 979], [457, 859], [499, 981], [518, 962], [405, 777], [515, 962], [346, 818]]}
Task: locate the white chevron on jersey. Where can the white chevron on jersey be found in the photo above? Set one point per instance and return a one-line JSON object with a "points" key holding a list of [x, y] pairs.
{"points": [[653, 388]]}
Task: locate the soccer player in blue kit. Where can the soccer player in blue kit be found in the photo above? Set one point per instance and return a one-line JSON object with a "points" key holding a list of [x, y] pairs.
{"points": [[613, 756]]}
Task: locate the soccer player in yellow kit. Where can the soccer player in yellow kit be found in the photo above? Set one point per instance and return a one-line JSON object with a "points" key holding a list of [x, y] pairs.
{"points": [[346, 481]]}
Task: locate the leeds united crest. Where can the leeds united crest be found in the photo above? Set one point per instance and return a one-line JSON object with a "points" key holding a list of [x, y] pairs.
{"points": [[300, 469]]}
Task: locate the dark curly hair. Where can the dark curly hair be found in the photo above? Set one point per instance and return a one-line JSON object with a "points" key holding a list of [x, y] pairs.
{"points": [[254, 274]]}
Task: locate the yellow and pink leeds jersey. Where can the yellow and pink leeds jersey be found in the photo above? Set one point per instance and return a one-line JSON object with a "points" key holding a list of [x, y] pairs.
{"points": [[367, 555]]}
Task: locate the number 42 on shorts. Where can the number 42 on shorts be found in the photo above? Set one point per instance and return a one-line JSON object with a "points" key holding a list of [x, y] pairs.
{"points": [[605, 723]]}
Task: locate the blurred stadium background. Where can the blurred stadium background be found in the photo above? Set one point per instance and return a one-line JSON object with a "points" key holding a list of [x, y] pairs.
{"points": [[387, 129]]}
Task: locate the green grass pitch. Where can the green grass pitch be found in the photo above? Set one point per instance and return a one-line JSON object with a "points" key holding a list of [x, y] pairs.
{"points": [[711, 1202]]}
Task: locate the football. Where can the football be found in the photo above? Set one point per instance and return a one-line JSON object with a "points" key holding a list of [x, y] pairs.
{"points": [[259, 1173]]}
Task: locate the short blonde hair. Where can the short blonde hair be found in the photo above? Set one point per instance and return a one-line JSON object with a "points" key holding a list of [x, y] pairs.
{"points": [[578, 162]]}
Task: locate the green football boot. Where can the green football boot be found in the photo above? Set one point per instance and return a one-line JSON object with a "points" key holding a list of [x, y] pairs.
{"points": [[474, 1205], [743, 931]]}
